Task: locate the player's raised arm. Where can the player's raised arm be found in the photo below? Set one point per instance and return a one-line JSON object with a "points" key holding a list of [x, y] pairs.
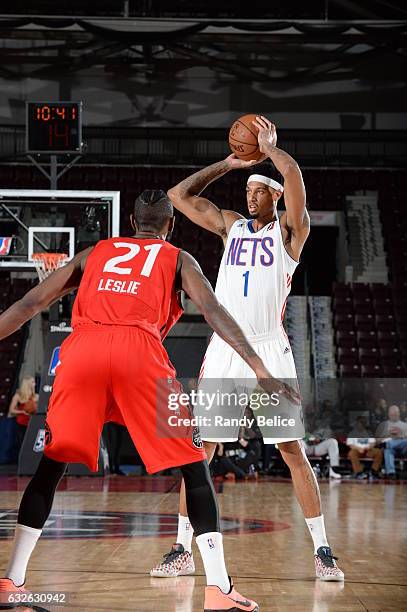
{"points": [[58, 284], [198, 288], [187, 199], [296, 219]]}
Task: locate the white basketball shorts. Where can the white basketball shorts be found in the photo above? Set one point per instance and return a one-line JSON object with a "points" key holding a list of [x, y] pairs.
{"points": [[227, 385]]}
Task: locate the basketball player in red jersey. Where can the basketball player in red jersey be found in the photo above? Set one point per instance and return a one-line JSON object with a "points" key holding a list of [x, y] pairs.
{"points": [[109, 368], [259, 309]]}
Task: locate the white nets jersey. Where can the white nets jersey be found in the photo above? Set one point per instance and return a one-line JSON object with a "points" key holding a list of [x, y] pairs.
{"points": [[253, 283], [254, 277]]}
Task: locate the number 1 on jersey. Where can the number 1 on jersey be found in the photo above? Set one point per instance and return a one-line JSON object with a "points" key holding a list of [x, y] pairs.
{"points": [[246, 283]]}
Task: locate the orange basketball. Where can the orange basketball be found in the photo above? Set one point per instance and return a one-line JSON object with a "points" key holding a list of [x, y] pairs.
{"points": [[243, 138]]}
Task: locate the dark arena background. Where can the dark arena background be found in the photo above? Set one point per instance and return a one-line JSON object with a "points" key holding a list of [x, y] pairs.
{"points": [[102, 100]]}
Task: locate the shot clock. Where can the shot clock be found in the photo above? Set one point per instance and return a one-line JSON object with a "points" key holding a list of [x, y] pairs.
{"points": [[54, 127]]}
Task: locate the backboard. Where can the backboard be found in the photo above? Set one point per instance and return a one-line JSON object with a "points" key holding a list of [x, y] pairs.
{"points": [[59, 221]]}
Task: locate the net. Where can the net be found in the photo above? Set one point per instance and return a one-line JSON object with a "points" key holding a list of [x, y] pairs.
{"points": [[46, 263]]}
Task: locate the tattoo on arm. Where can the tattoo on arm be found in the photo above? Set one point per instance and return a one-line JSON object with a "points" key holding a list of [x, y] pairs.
{"points": [[281, 159], [196, 183]]}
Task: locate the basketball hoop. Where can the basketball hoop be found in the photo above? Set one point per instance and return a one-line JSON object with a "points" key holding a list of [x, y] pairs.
{"points": [[46, 263]]}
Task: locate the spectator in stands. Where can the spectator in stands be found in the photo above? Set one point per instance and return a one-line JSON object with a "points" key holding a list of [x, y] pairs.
{"points": [[393, 434], [250, 441], [379, 413], [403, 411], [331, 419], [323, 421], [115, 433], [321, 442], [224, 462], [240, 458], [269, 456], [363, 445], [310, 417], [22, 406]]}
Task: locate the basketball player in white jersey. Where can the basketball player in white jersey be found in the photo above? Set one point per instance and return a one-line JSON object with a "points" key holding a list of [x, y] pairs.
{"points": [[254, 280]]}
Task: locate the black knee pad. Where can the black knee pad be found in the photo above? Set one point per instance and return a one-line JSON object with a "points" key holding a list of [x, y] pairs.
{"points": [[37, 500], [202, 505], [196, 474]]}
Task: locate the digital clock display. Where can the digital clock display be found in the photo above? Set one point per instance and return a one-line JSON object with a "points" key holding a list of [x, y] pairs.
{"points": [[54, 127]]}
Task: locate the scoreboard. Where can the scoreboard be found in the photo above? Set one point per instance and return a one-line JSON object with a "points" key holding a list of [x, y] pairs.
{"points": [[54, 127]]}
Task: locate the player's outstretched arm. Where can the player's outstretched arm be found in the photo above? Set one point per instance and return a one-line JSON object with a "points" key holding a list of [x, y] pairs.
{"points": [[59, 283], [187, 199], [296, 220]]}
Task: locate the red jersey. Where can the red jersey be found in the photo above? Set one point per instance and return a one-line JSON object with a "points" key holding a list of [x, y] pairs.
{"points": [[130, 281], [31, 407]]}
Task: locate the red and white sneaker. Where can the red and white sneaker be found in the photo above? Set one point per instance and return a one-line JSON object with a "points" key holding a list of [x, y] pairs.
{"points": [[325, 566], [7, 591], [217, 601], [178, 562]]}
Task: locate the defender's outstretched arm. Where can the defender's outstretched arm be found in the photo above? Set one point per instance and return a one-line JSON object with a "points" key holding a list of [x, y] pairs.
{"points": [[59, 283]]}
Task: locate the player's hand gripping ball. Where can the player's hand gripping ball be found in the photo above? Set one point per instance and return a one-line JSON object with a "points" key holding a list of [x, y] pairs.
{"points": [[266, 132]]}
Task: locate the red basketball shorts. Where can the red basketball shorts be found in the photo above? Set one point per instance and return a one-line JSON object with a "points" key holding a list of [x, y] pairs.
{"points": [[113, 373]]}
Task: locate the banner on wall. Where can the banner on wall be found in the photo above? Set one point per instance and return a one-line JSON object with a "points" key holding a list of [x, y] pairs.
{"points": [[321, 217], [325, 217]]}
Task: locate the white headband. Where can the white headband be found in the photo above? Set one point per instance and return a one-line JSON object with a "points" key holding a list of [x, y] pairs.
{"points": [[259, 178]]}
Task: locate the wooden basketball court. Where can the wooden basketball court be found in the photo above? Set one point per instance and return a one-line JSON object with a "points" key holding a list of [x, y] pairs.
{"points": [[105, 534]]}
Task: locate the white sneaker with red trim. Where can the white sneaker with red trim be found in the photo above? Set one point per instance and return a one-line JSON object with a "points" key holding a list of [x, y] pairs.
{"points": [[325, 566], [178, 562]]}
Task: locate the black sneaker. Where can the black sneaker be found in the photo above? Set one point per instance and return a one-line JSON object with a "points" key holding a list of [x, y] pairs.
{"points": [[361, 476]]}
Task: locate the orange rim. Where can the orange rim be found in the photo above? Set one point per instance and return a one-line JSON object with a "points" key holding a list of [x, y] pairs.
{"points": [[50, 261]]}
